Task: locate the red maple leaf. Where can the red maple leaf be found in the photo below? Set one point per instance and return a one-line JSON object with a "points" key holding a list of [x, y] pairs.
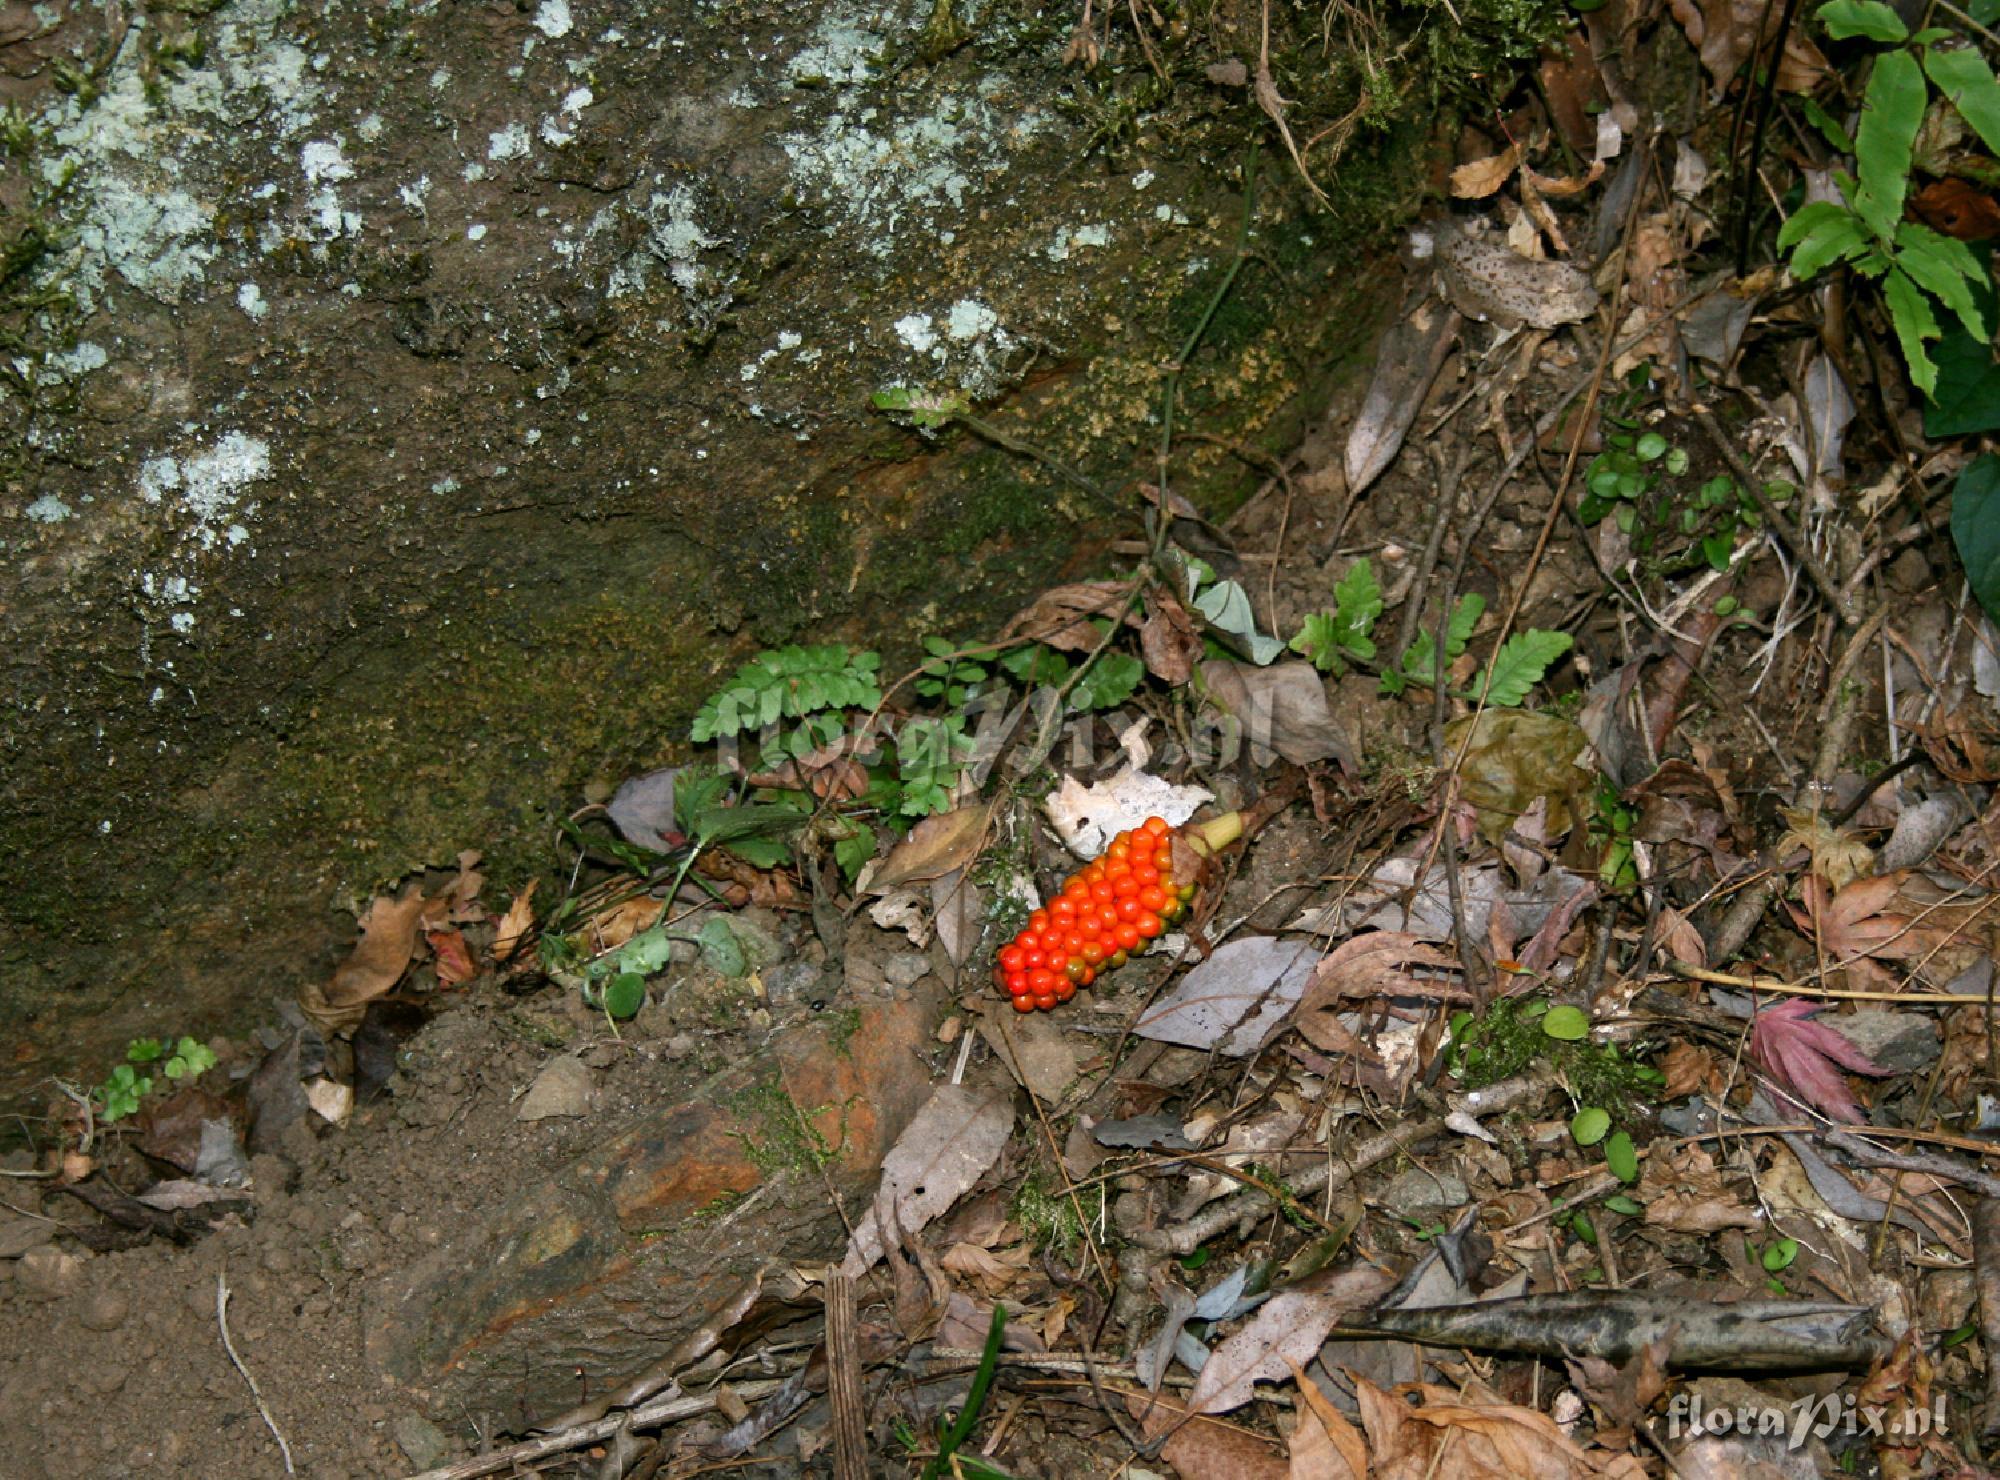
{"points": [[1806, 1057]]}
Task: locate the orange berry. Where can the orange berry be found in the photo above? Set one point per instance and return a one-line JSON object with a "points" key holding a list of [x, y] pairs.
{"points": [[1038, 919], [1046, 1001], [1129, 936], [1149, 924], [1155, 898], [1093, 952], [1130, 909], [1066, 991], [1024, 1004], [1157, 826], [1114, 962]]}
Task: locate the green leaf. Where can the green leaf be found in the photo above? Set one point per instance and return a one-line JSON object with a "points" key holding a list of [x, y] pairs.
{"points": [[1944, 268], [1588, 1126], [1652, 447], [1107, 682], [144, 1050], [1520, 664], [1968, 393], [1318, 641], [1566, 1024], [1975, 528], [1779, 1254], [1618, 1202], [1829, 127], [625, 994], [1819, 234], [721, 950], [1622, 1158], [1227, 607], [1890, 113], [1038, 663], [853, 851], [1963, 76], [1847, 18], [1358, 599], [1910, 313]]}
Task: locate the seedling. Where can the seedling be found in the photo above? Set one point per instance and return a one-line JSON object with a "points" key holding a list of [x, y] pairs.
{"points": [[125, 1087]]}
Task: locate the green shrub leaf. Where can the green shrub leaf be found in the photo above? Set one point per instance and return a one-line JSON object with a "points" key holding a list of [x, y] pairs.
{"points": [[1975, 528], [1819, 234], [1589, 1124], [1520, 664], [1566, 1024], [1962, 75], [1910, 312], [1622, 1158], [1944, 268], [1848, 18], [1890, 113]]}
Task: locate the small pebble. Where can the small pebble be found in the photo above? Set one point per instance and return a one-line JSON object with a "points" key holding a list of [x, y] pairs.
{"points": [[103, 1310]]}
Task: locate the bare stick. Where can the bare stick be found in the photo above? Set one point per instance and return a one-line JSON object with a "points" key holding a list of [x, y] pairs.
{"points": [[222, 1293], [669, 1407]]}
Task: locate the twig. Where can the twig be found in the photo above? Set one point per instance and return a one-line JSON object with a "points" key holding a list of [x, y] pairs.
{"points": [[1986, 1255], [669, 1408], [1786, 530], [222, 1293], [843, 1379]]}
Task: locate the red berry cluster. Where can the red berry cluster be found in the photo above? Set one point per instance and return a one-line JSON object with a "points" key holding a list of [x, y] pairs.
{"points": [[1104, 911]]}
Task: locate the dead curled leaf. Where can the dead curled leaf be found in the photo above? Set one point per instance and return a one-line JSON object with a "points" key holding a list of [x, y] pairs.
{"points": [[1487, 1438], [1324, 1445], [1479, 178], [1373, 966], [1286, 1331], [520, 917], [1725, 32], [1169, 640], [935, 847], [1061, 615], [377, 963], [948, 1146]]}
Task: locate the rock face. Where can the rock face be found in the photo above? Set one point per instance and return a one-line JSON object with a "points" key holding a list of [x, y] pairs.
{"points": [[417, 404], [609, 1263]]}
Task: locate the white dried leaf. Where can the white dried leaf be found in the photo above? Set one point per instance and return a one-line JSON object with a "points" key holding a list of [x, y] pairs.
{"points": [[953, 1140], [1087, 818], [1233, 1000]]}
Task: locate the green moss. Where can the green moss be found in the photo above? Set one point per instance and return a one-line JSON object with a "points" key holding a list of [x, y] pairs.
{"points": [[1047, 1215], [1509, 1038], [846, 1022], [784, 1138]]}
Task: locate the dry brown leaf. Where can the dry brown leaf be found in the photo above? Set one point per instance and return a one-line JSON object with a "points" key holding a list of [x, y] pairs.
{"points": [[1375, 965], [1724, 32], [1205, 1448], [828, 771], [1324, 1445], [612, 926], [1481, 177], [1282, 708], [518, 920], [1061, 615], [1683, 1192], [994, 1272], [941, 1153], [450, 957], [934, 848], [1488, 1439], [377, 963], [1690, 1069], [1682, 941], [462, 893], [1406, 362], [1957, 209], [1169, 641], [1287, 1330]]}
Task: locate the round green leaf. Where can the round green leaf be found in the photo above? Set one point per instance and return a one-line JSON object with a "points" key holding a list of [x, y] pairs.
{"points": [[1651, 446], [1779, 1253], [1589, 1124], [625, 994], [1567, 1024], [1622, 1158]]}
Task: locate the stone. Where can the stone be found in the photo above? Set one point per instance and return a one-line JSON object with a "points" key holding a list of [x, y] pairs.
{"points": [[1901, 1042], [1417, 1190], [104, 1310], [48, 1273], [564, 1088], [423, 1443], [610, 1260]]}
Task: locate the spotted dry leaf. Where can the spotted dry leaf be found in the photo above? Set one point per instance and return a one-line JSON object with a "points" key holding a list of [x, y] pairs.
{"points": [[1724, 31]]}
